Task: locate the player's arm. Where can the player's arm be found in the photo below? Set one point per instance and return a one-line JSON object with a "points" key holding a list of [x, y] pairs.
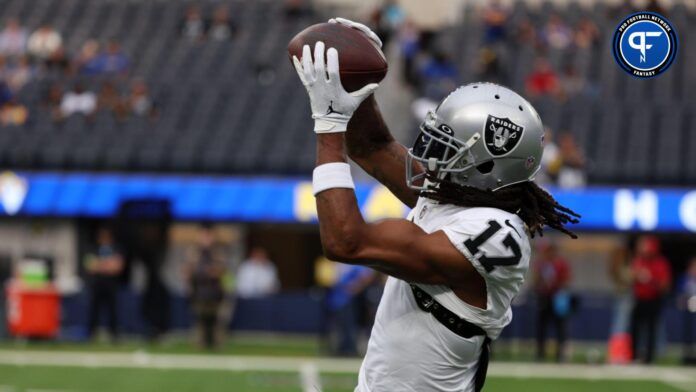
{"points": [[371, 145], [396, 247]]}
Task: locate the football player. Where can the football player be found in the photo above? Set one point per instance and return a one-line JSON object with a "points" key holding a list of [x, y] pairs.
{"points": [[461, 256]]}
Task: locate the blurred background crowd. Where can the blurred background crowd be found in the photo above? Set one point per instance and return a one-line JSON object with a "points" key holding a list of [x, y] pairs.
{"points": [[203, 88]]}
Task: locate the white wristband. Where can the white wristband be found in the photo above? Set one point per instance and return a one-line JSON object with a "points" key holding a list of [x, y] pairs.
{"points": [[323, 124], [332, 175]]}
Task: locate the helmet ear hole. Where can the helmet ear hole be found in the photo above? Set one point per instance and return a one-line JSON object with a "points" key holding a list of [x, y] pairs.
{"points": [[485, 167]]}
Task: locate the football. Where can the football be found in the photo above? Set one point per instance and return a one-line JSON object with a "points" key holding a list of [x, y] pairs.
{"points": [[361, 60]]}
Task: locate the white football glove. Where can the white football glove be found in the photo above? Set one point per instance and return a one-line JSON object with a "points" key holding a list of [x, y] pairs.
{"points": [[332, 106], [359, 26]]}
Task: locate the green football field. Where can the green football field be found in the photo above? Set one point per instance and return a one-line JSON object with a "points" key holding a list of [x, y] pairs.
{"points": [[58, 378], [268, 363]]}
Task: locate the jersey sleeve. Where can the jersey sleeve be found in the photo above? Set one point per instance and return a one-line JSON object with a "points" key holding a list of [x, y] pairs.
{"points": [[495, 242]]}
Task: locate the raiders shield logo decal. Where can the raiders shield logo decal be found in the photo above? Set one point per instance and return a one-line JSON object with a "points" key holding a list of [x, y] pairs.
{"points": [[501, 135]]}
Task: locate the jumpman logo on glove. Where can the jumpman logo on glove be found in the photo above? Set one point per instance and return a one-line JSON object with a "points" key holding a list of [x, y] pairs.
{"points": [[332, 110]]}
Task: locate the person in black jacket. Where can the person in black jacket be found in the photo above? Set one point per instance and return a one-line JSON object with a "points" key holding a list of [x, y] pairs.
{"points": [[205, 275], [104, 267]]}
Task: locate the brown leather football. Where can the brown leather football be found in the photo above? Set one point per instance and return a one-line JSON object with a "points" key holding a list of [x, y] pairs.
{"points": [[361, 61]]}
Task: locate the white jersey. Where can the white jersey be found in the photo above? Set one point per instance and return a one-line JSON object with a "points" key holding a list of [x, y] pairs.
{"points": [[409, 350]]}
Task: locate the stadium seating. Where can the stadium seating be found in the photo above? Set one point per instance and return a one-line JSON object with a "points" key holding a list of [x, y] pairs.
{"points": [[631, 132], [216, 114], [236, 107]]}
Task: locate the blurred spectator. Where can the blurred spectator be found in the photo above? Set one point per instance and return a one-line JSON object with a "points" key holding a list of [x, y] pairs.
{"points": [[221, 27], [193, 26], [78, 101], [439, 76], [139, 101], [13, 113], [552, 275], [550, 160], [52, 100], [652, 278], [543, 80], [409, 43], [571, 173], [586, 34], [5, 93], [205, 275], [104, 266], [110, 100], [687, 299], [557, 34], [57, 61], [525, 33], [393, 15], [352, 281], [440, 66], [111, 60], [19, 74], [257, 275], [44, 42], [490, 67], [13, 39], [495, 18], [619, 345], [387, 19], [88, 52]]}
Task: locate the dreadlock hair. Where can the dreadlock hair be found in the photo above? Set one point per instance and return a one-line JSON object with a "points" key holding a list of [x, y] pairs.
{"points": [[536, 207]]}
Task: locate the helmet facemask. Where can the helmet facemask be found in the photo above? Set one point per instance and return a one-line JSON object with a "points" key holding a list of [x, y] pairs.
{"points": [[439, 151]]}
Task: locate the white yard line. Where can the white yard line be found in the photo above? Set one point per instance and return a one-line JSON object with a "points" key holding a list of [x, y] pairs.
{"points": [[591, 372], [310, 367], [44, 390], [309, 377], [174, 361]]}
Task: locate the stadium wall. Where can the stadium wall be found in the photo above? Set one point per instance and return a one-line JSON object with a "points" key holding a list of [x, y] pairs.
{"points": [[290, 200]]}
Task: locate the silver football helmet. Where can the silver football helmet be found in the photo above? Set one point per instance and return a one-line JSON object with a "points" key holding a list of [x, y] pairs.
{"points": [[482, 135]]}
